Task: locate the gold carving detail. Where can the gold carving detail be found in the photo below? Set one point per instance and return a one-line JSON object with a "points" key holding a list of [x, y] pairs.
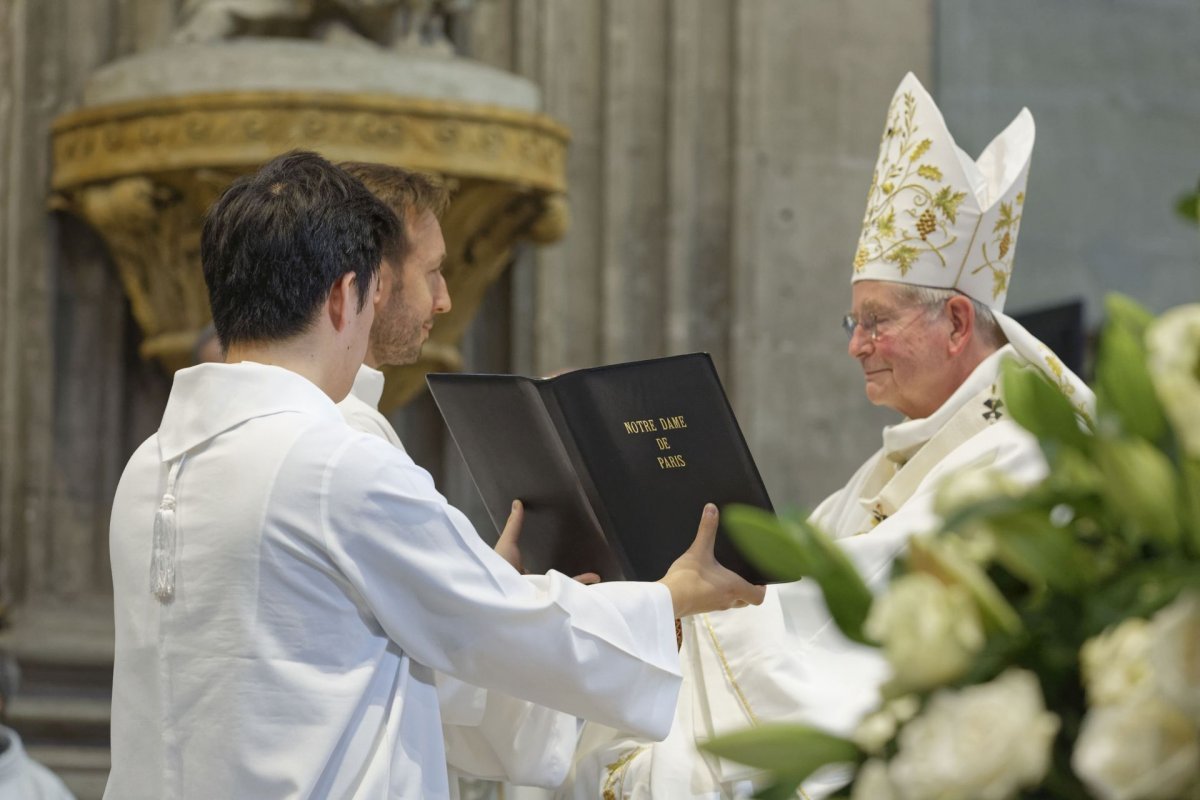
{"points": [[143, 173], [243, 129]]}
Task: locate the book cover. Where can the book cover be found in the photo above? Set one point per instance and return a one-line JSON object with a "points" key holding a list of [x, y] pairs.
{"points": [[614, 464]]}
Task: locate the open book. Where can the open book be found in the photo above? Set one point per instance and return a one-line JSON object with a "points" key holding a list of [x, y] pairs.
{"points": [[614, 464]]}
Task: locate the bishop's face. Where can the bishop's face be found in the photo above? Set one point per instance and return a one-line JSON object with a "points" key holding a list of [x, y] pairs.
{"points": [[411, 296], [902, 348]]}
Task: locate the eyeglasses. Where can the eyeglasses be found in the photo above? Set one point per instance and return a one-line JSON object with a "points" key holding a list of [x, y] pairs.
{"points": [[875, 326], [870, 326]]}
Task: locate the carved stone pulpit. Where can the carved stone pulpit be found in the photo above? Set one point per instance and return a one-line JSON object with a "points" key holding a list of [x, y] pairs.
{"points": [[161, 134]]}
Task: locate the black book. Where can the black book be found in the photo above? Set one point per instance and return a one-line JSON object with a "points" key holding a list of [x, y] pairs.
{"points": [[614, 464]]}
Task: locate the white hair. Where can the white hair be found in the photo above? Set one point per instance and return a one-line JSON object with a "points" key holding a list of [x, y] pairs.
{"points": [[932, 298]]}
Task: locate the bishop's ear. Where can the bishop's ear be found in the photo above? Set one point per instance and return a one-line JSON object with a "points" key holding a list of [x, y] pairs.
{"points": [[960, 311]]}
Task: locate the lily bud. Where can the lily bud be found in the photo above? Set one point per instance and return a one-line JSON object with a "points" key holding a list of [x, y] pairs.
{"points": [[1173, 348], [1124, 383], [1142, 486]]}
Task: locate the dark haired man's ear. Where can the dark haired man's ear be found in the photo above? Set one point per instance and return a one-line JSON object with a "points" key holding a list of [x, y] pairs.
{"points": [[342, 304]]}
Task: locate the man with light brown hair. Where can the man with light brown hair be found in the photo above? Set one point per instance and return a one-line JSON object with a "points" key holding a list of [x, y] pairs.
{"points": [[487, 734], [411, 292]]}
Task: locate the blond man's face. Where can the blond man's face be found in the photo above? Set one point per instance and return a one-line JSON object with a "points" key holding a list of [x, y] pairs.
{"points": [[411, 296]]}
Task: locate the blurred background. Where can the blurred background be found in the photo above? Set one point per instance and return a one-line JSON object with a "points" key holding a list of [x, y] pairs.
{"points": [[635, 178]]}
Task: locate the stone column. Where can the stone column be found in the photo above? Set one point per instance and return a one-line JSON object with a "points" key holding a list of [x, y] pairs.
{"points": [[719, 166]]}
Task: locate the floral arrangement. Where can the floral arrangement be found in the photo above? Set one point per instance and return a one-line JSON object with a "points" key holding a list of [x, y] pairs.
{"points": [[1045, 641]]}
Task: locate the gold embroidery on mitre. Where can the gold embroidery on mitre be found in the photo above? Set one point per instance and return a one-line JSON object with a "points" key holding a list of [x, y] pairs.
{"points": [[934, 217], [860, 259], [1004, 233], [1057, 372], [910, 206]]}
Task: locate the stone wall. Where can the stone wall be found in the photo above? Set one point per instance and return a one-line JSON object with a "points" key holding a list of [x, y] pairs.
{"points": [[1115, 90], [720, 158], [73, 398]]}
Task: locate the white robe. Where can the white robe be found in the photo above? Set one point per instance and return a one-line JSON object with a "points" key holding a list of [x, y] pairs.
{"points": [[320, 581], [360, 408], [786, 661], [22, 778], [488, 735]]}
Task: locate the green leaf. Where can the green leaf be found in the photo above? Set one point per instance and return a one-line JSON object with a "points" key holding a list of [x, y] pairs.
{"points": [[925, 554], [1039, 406], [789, 752], [846, 594], [1074, 477], [1139, 592], [1190, 472], [1125, 312], [1188, 207], [1123, 382], [766, 543], [929, 172], [1142, 487], [790, 548], [1041, 554]]}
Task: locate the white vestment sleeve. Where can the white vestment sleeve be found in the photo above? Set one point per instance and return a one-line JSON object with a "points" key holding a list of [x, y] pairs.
{"points": [[605, 653], [495, 736], [515, 741]]}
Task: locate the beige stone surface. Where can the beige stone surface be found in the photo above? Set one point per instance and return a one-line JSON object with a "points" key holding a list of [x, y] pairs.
{"points": [[262, 64], [720, 158]]}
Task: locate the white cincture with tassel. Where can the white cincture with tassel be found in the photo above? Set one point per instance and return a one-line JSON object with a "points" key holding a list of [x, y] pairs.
{"points": [[162, 560]]}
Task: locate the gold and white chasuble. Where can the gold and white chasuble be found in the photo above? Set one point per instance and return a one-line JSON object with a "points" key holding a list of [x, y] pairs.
{"points": [[786, 661]]}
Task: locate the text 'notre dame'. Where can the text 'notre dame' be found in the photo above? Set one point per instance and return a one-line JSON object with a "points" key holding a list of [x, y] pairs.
{"points": [[660, 425]]}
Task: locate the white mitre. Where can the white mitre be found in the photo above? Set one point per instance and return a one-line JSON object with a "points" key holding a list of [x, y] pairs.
{"points": [[938, 218]]}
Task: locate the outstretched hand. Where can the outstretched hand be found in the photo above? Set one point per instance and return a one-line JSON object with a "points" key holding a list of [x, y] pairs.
{"points": [[508, 547], [699, 584]]}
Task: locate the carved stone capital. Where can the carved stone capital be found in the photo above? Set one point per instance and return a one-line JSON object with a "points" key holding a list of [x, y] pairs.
{"points": [[143, 172], [240, 130]]}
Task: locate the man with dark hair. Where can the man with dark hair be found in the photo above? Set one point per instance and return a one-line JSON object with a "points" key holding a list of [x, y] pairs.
{"points": [[207, 347], [316, 225], [305, 581]]}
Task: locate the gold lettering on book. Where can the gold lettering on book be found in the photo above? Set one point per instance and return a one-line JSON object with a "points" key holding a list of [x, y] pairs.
{"points": [[660, 425]]}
